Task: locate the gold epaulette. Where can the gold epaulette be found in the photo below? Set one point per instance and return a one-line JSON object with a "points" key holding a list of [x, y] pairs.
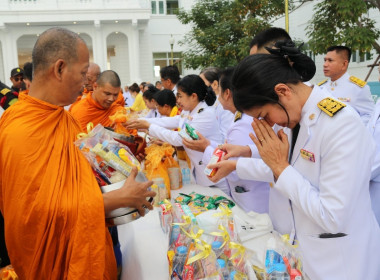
{"points": [[238, 116], [200, 110], [4, 91], [323, 82], [357, 81], [330, 106]]}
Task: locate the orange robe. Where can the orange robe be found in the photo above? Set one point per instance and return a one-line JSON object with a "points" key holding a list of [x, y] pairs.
{"points": [[120, 99], [51, 203], [88, 110], [79, 98]]}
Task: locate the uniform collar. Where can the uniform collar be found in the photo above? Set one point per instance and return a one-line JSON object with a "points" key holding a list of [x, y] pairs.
{"points": [[310, 111], [339, 81]]}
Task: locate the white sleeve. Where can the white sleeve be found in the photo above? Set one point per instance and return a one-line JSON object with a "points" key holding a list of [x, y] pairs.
{"points": [[170, 136], [165, 122], [254, 169], [365, 104]]}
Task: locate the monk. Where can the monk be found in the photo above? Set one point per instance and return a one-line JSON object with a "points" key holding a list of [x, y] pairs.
{"points": [[92, 75], [99, 105], [53, 209]]}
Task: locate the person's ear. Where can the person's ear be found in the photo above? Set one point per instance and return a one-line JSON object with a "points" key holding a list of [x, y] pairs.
{"points": [[282, 90], [59, 67]]}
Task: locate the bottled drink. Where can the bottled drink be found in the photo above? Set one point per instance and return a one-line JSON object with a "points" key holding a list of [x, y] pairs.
{"points": [[280, 273], [179, 260], [216, 248], [223, 268]]}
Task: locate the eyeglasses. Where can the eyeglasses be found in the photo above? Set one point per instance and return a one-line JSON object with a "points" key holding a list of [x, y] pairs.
{"points": [[18, 79]]}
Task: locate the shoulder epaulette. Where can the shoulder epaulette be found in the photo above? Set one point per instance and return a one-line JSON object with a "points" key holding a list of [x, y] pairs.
{"points": [[200, 110], [4, 91], [323, 82], [357, 81], [238, 116], [330, 106]]}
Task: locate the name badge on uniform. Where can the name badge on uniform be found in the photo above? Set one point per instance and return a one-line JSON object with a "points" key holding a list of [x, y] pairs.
{"points": [[307, 155], [344, 99]]}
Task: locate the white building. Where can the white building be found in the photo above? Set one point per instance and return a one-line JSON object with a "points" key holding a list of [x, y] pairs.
{"points": [[130, 37]]}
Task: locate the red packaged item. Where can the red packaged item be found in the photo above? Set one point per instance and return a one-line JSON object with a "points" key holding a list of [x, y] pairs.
{"points": [[216, 157]]}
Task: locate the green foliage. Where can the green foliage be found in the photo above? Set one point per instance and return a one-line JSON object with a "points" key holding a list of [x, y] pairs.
{"points": [[222, 29], [342, 22]]}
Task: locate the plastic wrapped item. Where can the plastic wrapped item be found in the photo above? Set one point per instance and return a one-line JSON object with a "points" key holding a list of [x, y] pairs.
{"points": [[155, 164], [118, 119], [179, 260], [223, 269], [188, 133], [217, 156]]}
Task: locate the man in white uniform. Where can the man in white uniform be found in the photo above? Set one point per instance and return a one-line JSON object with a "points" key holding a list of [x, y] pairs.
{"points": [[347, 89]]}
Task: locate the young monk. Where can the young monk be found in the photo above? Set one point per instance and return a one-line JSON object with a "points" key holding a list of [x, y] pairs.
{"points": [[53, 208], [99, 105]]}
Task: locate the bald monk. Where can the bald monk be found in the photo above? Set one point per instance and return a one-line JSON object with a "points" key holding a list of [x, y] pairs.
{"points": [[53, 208], [92, 75], [99, 105]]}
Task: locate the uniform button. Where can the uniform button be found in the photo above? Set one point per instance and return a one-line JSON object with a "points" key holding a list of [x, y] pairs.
{"points": [[200, 163], [311, 117], [271, 185]]}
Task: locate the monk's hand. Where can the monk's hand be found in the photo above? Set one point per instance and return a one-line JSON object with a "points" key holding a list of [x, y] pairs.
{"points": [[199, 145], [137, 124], [273, 148], [136, 194], [235, 151], [140, 157], [224, 167]]}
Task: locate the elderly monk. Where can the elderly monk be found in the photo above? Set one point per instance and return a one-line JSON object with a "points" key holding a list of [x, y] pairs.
{"points": [[99, 105], [92, 75], [53, 208]]}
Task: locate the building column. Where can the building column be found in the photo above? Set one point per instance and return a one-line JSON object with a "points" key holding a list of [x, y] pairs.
{"points": [[99, 46], [134, 53], [9, 51]]}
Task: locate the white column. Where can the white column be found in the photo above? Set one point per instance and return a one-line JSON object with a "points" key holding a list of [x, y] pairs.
{"points": [[99, 46], [10, 58], [134, 53]]}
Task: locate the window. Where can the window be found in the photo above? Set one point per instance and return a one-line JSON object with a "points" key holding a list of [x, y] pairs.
{"points": [[161, 60], [171, 7], [158, 7], [353, 55]]}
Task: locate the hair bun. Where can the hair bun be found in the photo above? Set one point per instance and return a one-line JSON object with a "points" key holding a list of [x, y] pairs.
{"points": [[303, 64]]}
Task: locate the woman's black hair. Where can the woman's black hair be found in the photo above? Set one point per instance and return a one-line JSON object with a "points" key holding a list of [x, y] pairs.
{"points": [[194, 84], [211, 74], [165, 97], [134, 88], [255, 77], [150, 92], [225, 79]]}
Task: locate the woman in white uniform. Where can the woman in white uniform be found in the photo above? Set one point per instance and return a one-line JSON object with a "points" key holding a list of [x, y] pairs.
{"points": [[327, 180], [249, 195], [194, 98], [211, 77]]}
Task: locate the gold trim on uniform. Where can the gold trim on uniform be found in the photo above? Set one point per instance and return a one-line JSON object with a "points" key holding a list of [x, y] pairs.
{"points": [[323, 82], [238, 116], [4, 91], [357, 81], [311, 117], [330, 106]]}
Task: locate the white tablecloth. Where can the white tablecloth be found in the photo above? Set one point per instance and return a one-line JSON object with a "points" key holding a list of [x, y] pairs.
{"points": [[144, 246]]}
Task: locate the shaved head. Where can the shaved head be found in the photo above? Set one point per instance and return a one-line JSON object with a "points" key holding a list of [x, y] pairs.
{"points": [[55, 43], [92, 75], [110, 77]]}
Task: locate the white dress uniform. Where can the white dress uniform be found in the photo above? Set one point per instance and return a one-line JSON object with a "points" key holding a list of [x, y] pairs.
{"points": [[203, 119], [249, 195], [224, 117], [352, 91], [327, 184], [374, 185]]}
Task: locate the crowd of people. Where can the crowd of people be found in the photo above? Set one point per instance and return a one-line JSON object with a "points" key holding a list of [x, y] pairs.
{"points": [[308, 155]]}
